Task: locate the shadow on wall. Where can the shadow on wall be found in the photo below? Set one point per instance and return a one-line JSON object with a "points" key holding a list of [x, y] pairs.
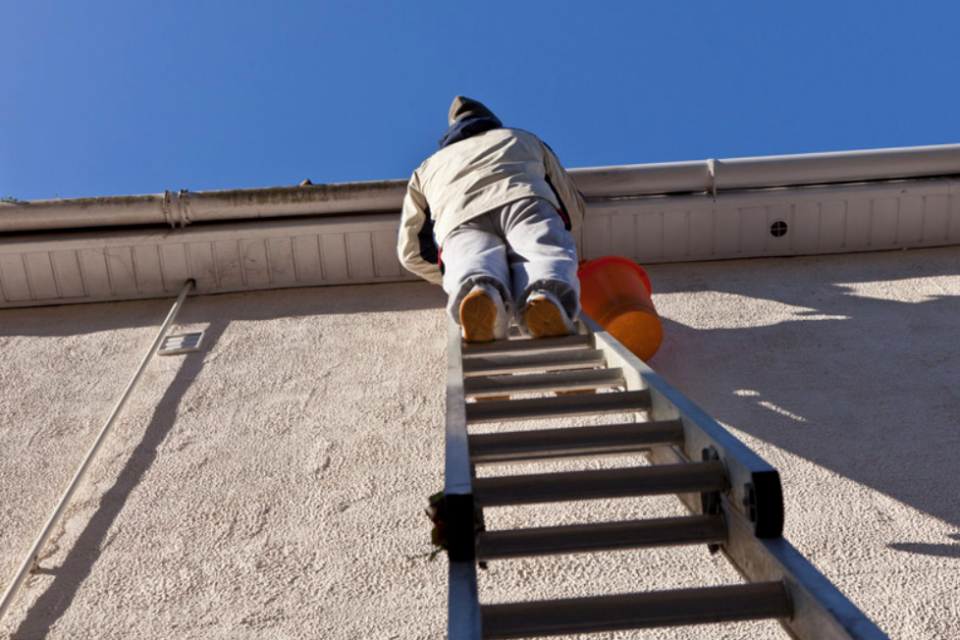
{"points": [[79, 319], [939, 550], [217, 314], [859, 379], [84, 553]]}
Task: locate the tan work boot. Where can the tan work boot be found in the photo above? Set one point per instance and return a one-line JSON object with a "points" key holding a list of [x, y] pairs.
{"points": [[480, 312], [545, 316]]}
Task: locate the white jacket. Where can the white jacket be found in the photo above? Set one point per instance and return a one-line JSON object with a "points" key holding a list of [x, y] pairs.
{"points": [[471, 177]]}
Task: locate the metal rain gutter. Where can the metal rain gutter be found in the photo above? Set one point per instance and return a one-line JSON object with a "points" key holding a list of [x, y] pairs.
{"points": [[178, 209], [712, 176]]}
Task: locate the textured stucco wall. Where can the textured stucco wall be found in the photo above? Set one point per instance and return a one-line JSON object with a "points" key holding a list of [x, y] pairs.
{"points": [[271, 486]]}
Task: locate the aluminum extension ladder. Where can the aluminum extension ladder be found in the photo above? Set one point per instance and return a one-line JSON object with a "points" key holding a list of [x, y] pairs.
{"points": [[734, 496]]}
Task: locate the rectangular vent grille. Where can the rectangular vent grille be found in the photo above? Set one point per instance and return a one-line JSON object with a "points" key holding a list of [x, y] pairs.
{"points": [[184, 343]]}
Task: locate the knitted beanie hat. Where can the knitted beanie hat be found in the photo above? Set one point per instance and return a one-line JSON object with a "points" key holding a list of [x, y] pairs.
{"points": [[463, 106]]}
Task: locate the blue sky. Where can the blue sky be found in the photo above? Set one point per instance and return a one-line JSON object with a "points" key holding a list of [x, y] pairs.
{"points": [[108, 98]]}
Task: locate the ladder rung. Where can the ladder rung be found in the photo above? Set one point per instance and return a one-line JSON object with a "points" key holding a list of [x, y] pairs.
{"points": [[581, 380], [558, 407], [605, 536], [693, 477], [540, 444], [755, 601], [550, 361], [501, 347]]}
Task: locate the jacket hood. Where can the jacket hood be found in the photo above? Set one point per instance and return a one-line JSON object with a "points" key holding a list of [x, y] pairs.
{"points": [[463, 106]]}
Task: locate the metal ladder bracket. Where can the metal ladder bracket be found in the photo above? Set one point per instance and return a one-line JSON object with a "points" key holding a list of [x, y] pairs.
{"points": [[463, 522]]}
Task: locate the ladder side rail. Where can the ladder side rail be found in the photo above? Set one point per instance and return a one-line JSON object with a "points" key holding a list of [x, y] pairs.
{"points": [[463, 607], [463, 602], [754, 483], [458, 478], [820, 610]]}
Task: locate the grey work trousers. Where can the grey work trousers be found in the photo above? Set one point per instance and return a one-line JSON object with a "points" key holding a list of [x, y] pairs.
{"points": [[520, 248]]}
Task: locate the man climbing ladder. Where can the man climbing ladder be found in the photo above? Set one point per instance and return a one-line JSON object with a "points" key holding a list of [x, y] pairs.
{"points": [[492, 217]]}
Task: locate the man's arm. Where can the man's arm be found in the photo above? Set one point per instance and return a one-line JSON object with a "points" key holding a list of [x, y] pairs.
{"points": [[564, 187], [416, 247]]}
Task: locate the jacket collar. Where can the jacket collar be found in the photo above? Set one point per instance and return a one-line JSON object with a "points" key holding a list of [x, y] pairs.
{"points": [[466, 127]]}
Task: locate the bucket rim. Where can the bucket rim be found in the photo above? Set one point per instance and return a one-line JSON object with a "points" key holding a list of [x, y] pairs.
{"points": [[592, 265]]}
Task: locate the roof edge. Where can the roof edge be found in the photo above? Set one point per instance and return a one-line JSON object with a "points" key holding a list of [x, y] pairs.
{"points": [[181, 208]]}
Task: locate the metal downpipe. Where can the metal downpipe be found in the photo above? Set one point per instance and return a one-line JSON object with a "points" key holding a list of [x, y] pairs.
{"points": [[32, 557]]}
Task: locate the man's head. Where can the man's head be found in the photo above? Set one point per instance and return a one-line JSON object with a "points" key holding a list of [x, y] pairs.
{"points": [[463, 106]]}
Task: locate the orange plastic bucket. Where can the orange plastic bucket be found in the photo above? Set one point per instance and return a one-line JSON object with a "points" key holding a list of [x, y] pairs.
{"points": [[615, 292]]}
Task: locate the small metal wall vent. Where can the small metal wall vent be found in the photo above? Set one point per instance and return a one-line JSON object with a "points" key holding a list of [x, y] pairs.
{"points": [[778, 229], [184, 343]]}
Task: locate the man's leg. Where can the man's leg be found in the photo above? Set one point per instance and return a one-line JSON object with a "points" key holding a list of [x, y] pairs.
{"points": [[476, 279], [543, 263]]}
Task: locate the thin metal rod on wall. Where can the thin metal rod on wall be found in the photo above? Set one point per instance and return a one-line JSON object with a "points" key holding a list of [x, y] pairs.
{"points": [[34, 554]]}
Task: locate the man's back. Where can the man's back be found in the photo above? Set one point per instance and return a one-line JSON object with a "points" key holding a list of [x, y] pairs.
{"points": [[499, 208], [485, 171]]}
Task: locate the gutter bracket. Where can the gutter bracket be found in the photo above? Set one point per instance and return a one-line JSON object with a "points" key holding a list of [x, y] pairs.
{"points": [[176, 208], [165, 205], [184, 207], [712, 174]]}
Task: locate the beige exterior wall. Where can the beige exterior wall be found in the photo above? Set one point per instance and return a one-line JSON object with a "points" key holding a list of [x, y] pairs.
{"points": [[272, 485]]}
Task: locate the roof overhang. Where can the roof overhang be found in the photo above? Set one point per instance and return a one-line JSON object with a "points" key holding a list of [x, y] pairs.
{"points": [[132, 247]]}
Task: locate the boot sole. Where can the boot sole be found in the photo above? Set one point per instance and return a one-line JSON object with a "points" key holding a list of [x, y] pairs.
{"points": [[545, 320], [478, 316]]}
